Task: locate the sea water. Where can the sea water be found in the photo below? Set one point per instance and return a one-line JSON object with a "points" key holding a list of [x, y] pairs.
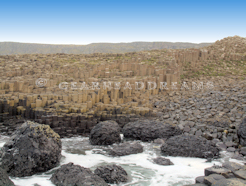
{"points": [[140, 168]]}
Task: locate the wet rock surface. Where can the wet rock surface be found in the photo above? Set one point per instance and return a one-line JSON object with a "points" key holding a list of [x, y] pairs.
{"points": [[147, 130], [233, 166], [105, 133], [126, 148], [4, 179], [33, 148], [70, 174], [162, 161], [217, 170], [189, 146], [212, 178], [229, 174], [230, 182], [112, 173]]}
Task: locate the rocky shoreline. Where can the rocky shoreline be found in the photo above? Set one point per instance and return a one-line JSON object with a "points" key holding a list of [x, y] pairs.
{"points": [[15, 159], [198, 124]]}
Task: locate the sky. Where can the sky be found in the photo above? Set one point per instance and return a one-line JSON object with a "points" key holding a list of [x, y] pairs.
{"points": [[114, 21]]}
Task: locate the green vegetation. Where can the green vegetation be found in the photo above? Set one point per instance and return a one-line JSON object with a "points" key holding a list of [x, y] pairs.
{"points": [[215, 68]]}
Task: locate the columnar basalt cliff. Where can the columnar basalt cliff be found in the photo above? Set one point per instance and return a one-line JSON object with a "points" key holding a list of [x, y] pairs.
{"points": [[70, 101]]}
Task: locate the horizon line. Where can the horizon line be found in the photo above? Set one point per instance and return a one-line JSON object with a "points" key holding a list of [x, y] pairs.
{"points": [[103, 42]]}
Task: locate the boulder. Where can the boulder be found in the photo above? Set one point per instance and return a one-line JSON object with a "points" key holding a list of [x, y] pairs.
{"points": [[147, 130], [112, 173], [242, 133], [33, 148], [189, 146], [70, 175], [162, 161], [126, 148], [105, 133], [4, 179]]}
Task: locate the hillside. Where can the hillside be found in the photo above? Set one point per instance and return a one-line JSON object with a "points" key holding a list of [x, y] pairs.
{"points": [[8, 48], [226, 57]]}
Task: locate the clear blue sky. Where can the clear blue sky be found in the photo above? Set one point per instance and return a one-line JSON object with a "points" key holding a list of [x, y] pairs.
{"points": [[93, 21]]}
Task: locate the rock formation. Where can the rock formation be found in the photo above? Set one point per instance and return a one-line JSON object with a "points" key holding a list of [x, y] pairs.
{"points": [[70, 174], [4, 179], [105, 133], [147, 130], [33, 148], [112, 173], [125, 148], [189, 146]]}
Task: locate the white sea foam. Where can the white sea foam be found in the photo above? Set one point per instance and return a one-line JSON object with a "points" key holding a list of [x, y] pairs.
{"points": [[142, 171]]}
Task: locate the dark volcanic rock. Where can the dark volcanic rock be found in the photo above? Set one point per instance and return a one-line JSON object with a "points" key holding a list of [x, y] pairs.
{"points": [[147, 130], [105, 133], [71, 175], [4, 179], [162, 161], [242, 133], [112, 173], [126, 148], [189, 146], [33, 148]]}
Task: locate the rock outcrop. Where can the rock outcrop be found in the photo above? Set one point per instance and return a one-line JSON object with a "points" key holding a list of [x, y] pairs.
{"points": [[33, 148], [147, 130], [229, 174], [162, 161], [105, 133], [112, 173], [189, 146], [70, 175], [126, 148], [4, 179]]}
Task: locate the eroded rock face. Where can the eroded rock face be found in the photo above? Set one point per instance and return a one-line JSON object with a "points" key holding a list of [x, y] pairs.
{"points": [[112, 173], [33, 148], [4, 179], [126, 148], [242, 133], [147, 130], [189, 146], [70, 175], [105, 133]]}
